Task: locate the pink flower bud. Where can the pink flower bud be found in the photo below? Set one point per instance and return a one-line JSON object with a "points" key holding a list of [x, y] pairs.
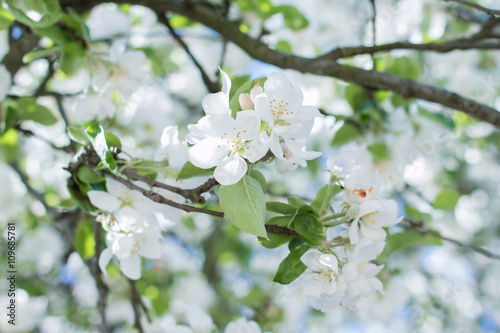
{"points": [[245, 102]]}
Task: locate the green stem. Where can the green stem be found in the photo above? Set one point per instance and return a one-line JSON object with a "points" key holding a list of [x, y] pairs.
{"points": [[334, 216], [333, 224]]}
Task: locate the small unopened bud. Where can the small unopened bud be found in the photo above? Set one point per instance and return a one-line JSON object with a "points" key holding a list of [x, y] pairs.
{"points": [[245, 102]]}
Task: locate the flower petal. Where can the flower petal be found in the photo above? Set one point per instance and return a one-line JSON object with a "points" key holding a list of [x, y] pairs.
{"points": [[208, 153], [262, 107], [230, 170], [216, 104], [104, 200], [247, 124], [131, 266], [258, 147], [104, 259], [226, 83], [170, 136], [312, 260], [275, 146], [149, 244]]}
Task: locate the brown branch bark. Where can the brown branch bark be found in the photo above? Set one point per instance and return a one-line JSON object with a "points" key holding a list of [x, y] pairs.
{"points": [[476, 6], [420, 229], [211, 17], [194, 195]]}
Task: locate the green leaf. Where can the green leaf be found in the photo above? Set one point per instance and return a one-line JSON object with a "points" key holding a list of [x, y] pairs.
{"points": [[396, 242], [405, 67], [291, 267], [295, 201], [446, 200], [41, 53], [97, 137], [292, 16], [355, 96], [236, 83], [244, 205], [12, 117], [258, 176], [35, 13], [8, 145], [324, 196], [78, 134], [112, 140], [29, 110], [280, 207], [6, 19], [380, 151], [283, 46], [234, 103], [345, 134], [274, 240], [295, 243], [281, 221], [85, 174], [190, 171], [84, 238], [309, 228], [438, 118], [72, 58]]}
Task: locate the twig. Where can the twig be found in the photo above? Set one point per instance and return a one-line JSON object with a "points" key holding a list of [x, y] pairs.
{"points": [[156, 197], [135, 299], [191, 194], [95, 270], [211, 86], [418, 228], [374, 31], [476, 6], [37, 195], [67, 149]]}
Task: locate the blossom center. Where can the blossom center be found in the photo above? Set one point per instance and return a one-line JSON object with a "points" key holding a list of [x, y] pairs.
{"points": [[279, 109]]}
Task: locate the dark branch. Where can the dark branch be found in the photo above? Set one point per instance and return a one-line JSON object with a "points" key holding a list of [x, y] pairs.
{"points": [[156, 197], [135, 299], [476, 6], [420, 229], [209, 16], [194, 195], [211, 86]]}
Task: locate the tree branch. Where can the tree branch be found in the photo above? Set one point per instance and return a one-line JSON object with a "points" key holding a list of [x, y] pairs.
{"points": [[476, 6], [156, 197], [194, 195], [135, 299], [211, 86], [209, 16], [407, 225]]}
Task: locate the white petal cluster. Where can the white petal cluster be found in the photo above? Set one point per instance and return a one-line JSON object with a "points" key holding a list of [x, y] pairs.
{"points": [[132, 228], [341, 270], [228, 144]]}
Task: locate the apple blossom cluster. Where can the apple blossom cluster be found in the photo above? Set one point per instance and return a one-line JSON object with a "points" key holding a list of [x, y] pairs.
{"points": [[272, 118], [132, 226], [342, 268]]}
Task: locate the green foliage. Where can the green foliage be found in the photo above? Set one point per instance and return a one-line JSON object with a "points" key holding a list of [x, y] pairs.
{"points": [[280, 207], [292, 16], [84, 238], [446, 200], [405, 67], [355, 96], [345, 134], [29, 110], [41, 53], [98, 139], [6, 19], [283, 46], [291, 267], [244, 205], [325, 195], [190, 171], [438, 118], [35, 13], [309, 228], [8, 145], [399, 241], [85, 174], [295, 201], [234, 103], [258, 176], [78, 134], [380, 151], [274, 240]]}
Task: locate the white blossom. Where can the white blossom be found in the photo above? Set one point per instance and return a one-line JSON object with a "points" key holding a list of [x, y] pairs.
{"points": [[242, 325]]}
